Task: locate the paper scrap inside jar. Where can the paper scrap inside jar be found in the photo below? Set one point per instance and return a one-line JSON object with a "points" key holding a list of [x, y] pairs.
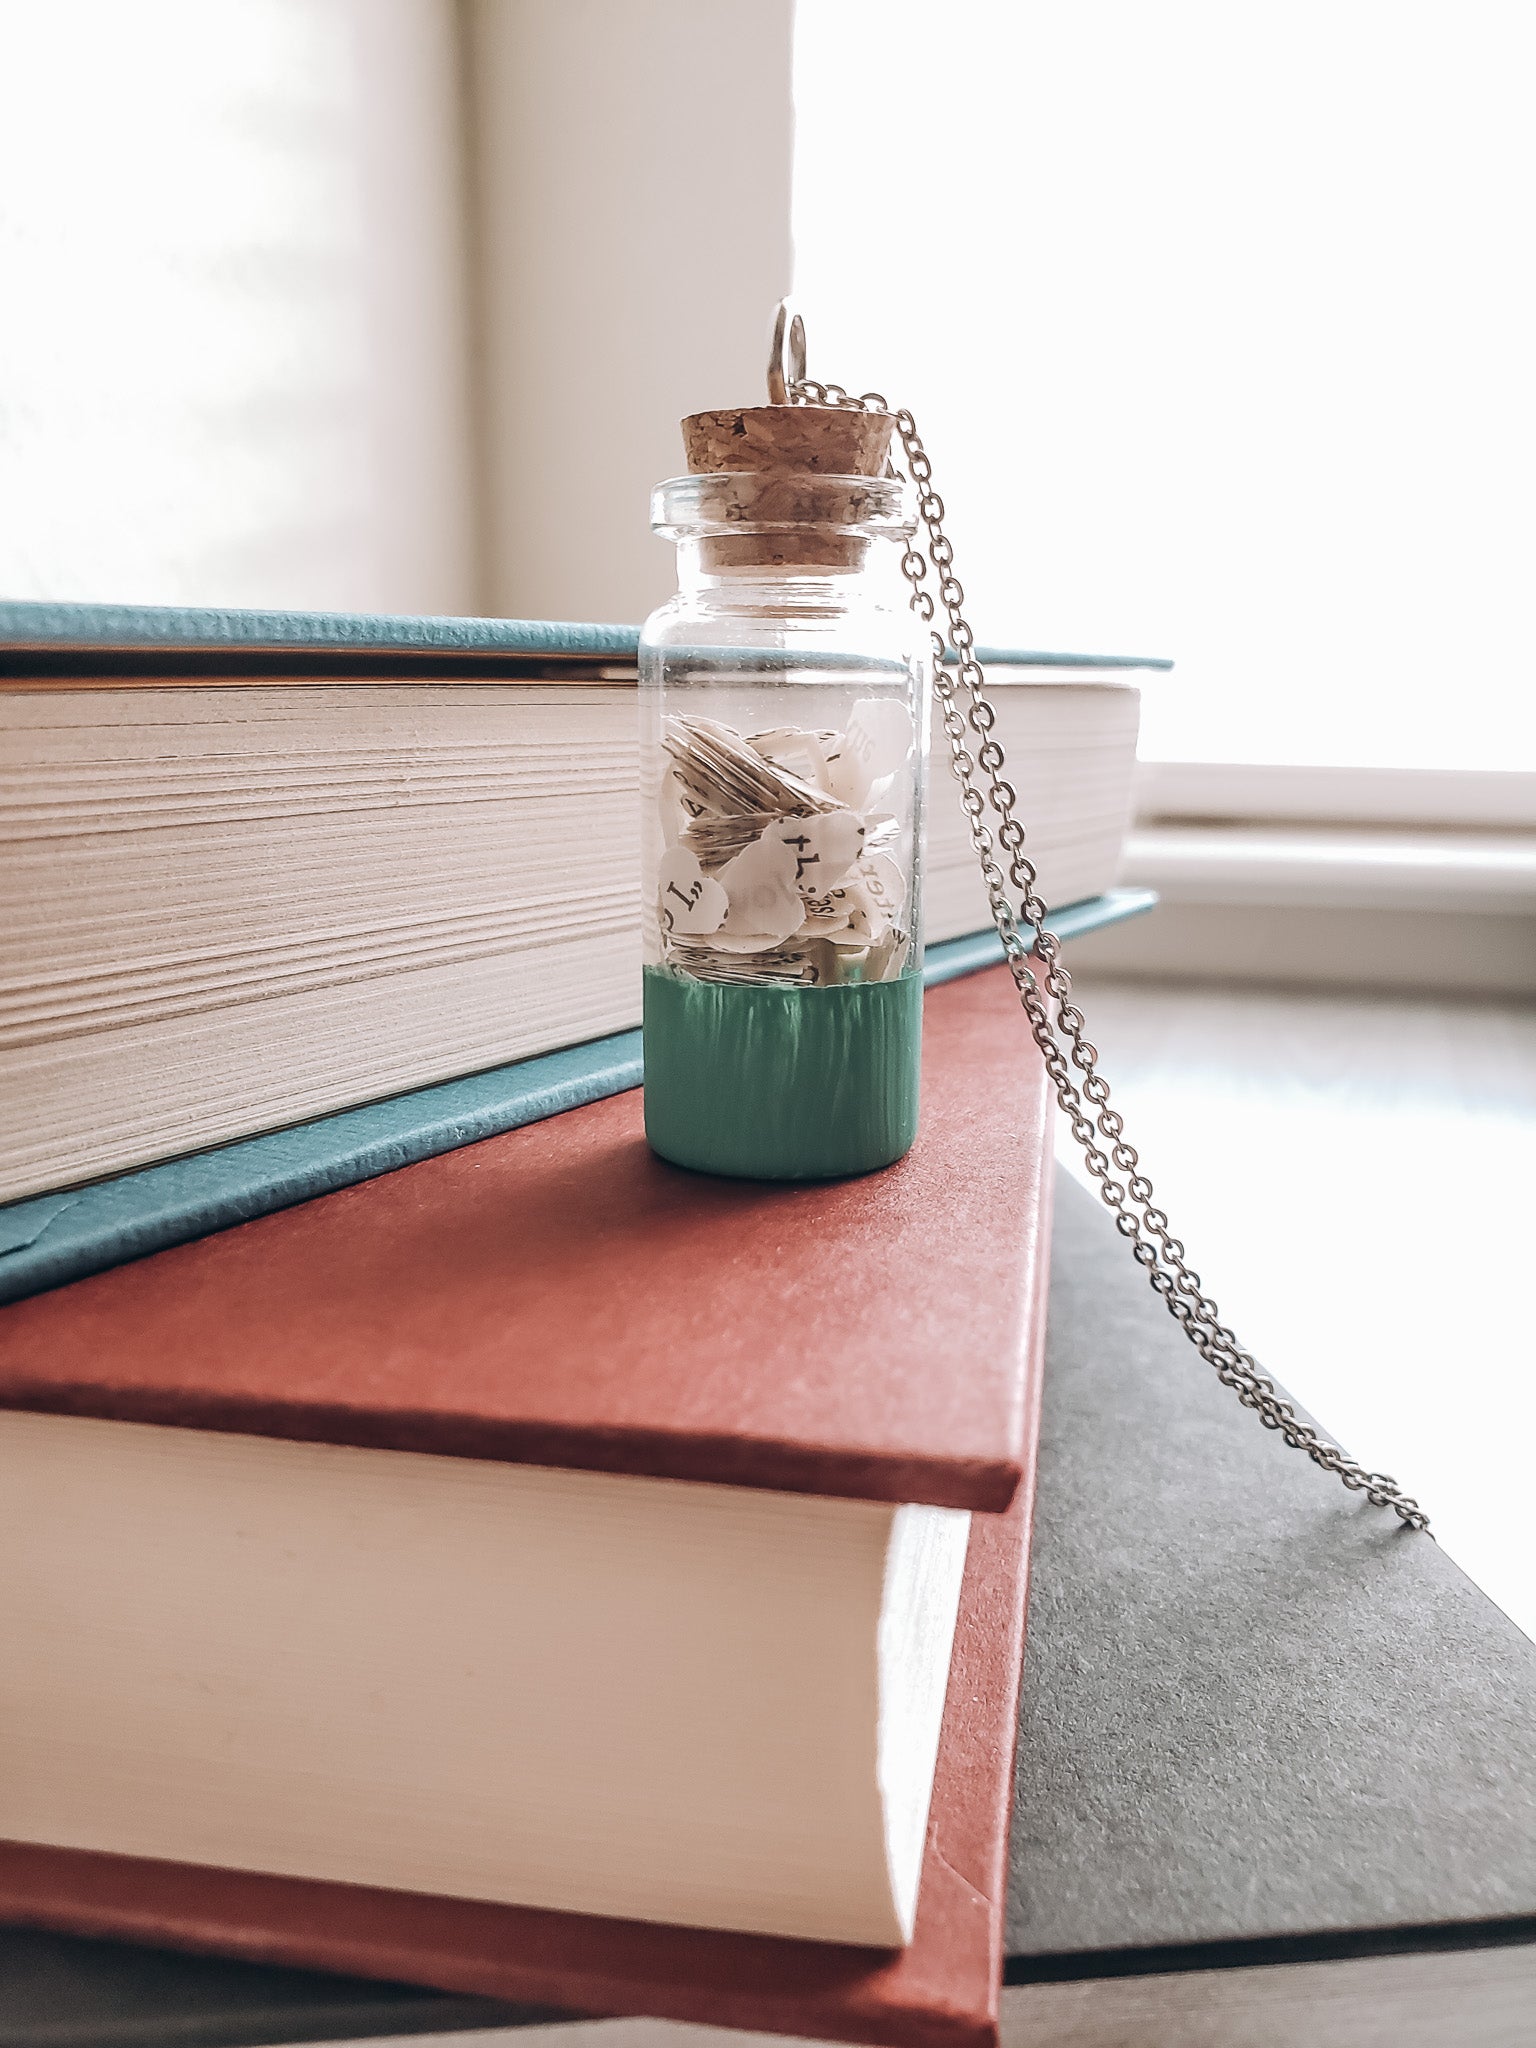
{"points": [[781, 856]]}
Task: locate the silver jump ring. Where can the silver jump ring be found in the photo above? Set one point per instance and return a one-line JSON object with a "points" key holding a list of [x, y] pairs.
{"points": [[786, 354]]}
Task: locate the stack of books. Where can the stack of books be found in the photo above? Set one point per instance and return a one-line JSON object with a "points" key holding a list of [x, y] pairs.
{"points": [[505, 1568], [530, 1570], [544, 1573], [1274, 1774]]}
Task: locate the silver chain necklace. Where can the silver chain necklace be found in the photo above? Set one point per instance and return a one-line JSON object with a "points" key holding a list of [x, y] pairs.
{"points": [[1045, 986]]}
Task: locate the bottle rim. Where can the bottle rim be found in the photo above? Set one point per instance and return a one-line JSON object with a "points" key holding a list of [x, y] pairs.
{"points": [[719, 503]]}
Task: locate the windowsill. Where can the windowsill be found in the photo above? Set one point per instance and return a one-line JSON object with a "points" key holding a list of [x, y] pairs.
{"points": [[1339, 867], [1472, 799]]}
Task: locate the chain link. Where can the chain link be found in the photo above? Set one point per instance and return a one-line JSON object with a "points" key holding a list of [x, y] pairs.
{"points": [[1098, 1128]]}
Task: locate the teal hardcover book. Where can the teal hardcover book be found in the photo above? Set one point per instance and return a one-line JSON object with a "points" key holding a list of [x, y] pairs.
{"points": [[293, 898], [107, 639], [123, 639]]}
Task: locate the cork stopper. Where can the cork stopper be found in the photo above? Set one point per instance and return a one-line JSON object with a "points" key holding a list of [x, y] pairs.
{"points": [[779, 440], [789, 483]]}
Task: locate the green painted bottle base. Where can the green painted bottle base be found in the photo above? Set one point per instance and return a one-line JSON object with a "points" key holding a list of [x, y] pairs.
{"points": [[767, 1083]]}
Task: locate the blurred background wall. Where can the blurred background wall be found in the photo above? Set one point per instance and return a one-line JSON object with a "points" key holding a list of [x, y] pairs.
{"points": [[383, 305], [233, 363], [633, 235], [1216, 320]]}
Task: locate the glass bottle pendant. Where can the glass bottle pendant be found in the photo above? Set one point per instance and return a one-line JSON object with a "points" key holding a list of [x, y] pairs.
{"points": [[784, 741]]}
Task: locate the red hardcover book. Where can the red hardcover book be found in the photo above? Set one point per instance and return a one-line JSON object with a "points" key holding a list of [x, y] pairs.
{"points": [[557, 1297]]}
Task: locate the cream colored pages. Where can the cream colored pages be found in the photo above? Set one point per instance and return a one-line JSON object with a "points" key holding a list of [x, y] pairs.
{"points": [[604, 1694], [227, 910], [1071, 758]]}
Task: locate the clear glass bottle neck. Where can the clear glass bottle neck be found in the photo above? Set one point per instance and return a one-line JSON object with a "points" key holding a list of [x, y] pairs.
{"points": [[870, 579]]}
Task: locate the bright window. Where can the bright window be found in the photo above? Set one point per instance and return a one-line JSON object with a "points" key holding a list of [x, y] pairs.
{"points": [[1220, 324]]}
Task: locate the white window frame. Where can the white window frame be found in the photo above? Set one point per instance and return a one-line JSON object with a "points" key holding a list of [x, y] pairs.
{"points": [[1484, 799]]}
